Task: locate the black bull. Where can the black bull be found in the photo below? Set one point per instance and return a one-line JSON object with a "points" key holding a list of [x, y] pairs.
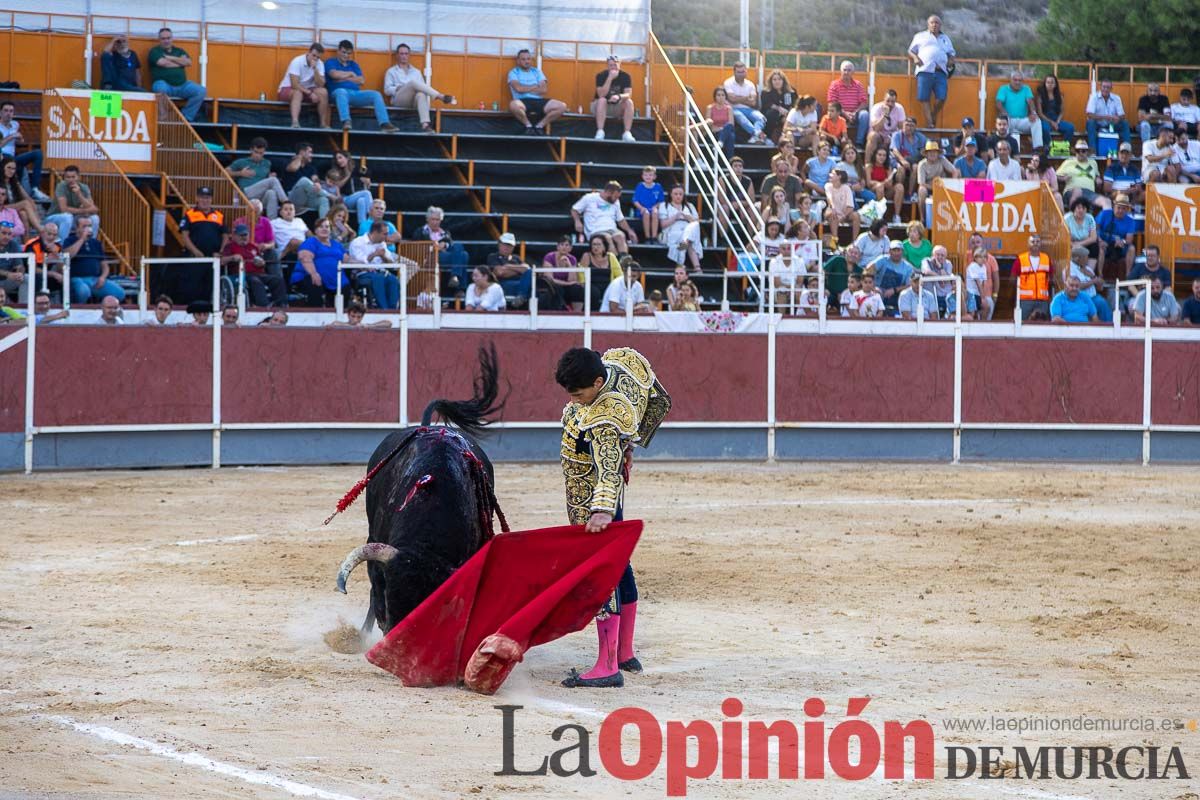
{"points": [[430, 502]]}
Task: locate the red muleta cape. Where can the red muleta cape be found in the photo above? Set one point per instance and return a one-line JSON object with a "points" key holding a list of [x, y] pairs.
{"points": [[520, 590]]}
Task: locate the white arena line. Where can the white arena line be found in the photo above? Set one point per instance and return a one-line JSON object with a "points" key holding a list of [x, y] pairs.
{"points": [[258, 777], [245, 537], [825, 501]]}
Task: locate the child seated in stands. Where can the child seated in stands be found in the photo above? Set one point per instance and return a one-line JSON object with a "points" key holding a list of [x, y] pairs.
{"points": [[810, 299], [833, 128], [867, 300], [646, 198], [846, 299]]}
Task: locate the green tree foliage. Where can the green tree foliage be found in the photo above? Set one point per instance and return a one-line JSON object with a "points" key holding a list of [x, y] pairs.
{"points": [[1119, 31]]}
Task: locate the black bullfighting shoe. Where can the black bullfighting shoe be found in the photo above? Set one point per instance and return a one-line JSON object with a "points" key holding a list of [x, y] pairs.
{"points": [[632, 665], [576, 681]]}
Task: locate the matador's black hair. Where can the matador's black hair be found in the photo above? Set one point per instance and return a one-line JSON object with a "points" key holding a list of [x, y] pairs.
{"points": [[578, 368]]}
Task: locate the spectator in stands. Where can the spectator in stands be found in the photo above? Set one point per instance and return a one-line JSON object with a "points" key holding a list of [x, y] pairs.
{"points": [[917, 247], [8, 314], [938, 265], [304, 82], [882, 181], [1038, 169], [256, 177], [42, 315], [873, 242], [840, 208], [1081, 225], [316, 272], [205, 234], [200, 311], [802, 123], [817, 169], [677, 282], [680, 225], [110, 311], [846, 300], [851, 97], [614, 98], [908, 148], [1015, 98], [1105, 112], [958, 143], [163, 306], [353, 184], [777, 101], [290, 231], [1164, 310], [564, 285], [1187, 151], [1091, 282], [1049, 102], [263, 236], [10, 137], [787, 151], [378, 213], [1072, 305], [892, 273], [908, 305], [406, 88], [975, 286], [868, 302], [604, 265], [1034, 274], [1160, 160], [1153, 110], [372, 248], [840, 267], [74, 201], [278, 319], [229, 316], [1079, 176], [627, 290], [1002, 134], [1151, 267], [719, 116], [688, 298], [46, 249], [932, 55], [991, 285], [743, 96], [1190, 310], [600, 212], [647, 197], [932, 167], [511, 270], [887, 117], [777, 205], [168, 65], [265, 289], [967, 165], [302, 182], [1004, 167], [833, 130], [1186, 112], [431, 231], [339, 224], [1116, 229], [10, 215], [120, 68], [784, 268], [18, 198], [89, 267], [483, 293], [529, 86], [12, 271], [355, 312], [1123, 175], [782, 178], [344, 78]]}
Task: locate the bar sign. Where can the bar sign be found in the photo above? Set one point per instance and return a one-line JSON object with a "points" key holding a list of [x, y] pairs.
{"points": [[106, 105]]}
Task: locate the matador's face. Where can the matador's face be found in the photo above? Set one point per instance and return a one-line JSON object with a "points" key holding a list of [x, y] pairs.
{"points": [[587, 395]]}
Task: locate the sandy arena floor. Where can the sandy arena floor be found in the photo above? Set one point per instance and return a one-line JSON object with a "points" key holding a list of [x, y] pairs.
{"points": [[162, 633]]}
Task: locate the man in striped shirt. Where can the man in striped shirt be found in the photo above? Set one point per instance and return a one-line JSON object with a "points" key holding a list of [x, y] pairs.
{"points": [[853, 96]]}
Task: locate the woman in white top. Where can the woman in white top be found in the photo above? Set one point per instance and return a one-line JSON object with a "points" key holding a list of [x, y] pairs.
{"points": [[802, 122], [841, 204], [680, 226], [484, 294]]}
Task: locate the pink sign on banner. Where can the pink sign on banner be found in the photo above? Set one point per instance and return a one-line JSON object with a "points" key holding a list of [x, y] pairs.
{"points": [[976, 191]]}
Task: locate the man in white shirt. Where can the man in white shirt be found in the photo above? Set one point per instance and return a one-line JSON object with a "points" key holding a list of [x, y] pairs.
{"points": [[372, 248], [304, 82], [1003, 167], [110, 311], [1187, 151], [932, 54], [887, 117], [938, 266], [908, 304], [290, 231], [404, 87], [742, 94], [627, 290], [1105, 111], [1186, 111], [1160, 159], [600, 213]]}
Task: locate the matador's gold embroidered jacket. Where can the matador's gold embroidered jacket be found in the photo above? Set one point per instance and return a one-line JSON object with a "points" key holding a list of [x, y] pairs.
{"points": [[628, 410]]}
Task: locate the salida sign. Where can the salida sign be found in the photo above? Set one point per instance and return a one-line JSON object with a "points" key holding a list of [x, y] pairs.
{"points": [[70, 133], [1005, 215], [1173, 220]]}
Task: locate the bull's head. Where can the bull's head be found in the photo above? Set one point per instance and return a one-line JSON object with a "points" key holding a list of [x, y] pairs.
{"points": [[372, 551]]}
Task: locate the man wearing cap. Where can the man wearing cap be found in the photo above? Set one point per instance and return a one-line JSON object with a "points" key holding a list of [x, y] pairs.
{"points": [[933, 166], [1116, 228], [614, 98], [1160, 160], [1091, 283], [932, 55], [852, 95], [515, 278], [910, 306], [1123, 176], [1187, 150], [1105, 111], [1034, 274], [204, 235], [200, 311], [1004, 167], [1015, 99], [892, 273], [1072, 305], [967, 165], [959, 142], [1079, 176], [600, 213], [265, 289]]}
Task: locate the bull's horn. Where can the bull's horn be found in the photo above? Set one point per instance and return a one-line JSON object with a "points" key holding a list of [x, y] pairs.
{"points": [[372, 551]]}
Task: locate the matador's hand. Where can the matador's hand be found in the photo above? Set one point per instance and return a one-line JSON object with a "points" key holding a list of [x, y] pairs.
{"points": [[627, 464], [598, 521]]}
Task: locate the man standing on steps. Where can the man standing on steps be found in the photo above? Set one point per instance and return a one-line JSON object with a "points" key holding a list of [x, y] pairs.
{"points": [[932, 55], [614, 98], [616, 402]]}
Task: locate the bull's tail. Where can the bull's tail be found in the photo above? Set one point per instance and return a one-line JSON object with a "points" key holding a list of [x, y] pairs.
{"points": [[473, 415]]}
